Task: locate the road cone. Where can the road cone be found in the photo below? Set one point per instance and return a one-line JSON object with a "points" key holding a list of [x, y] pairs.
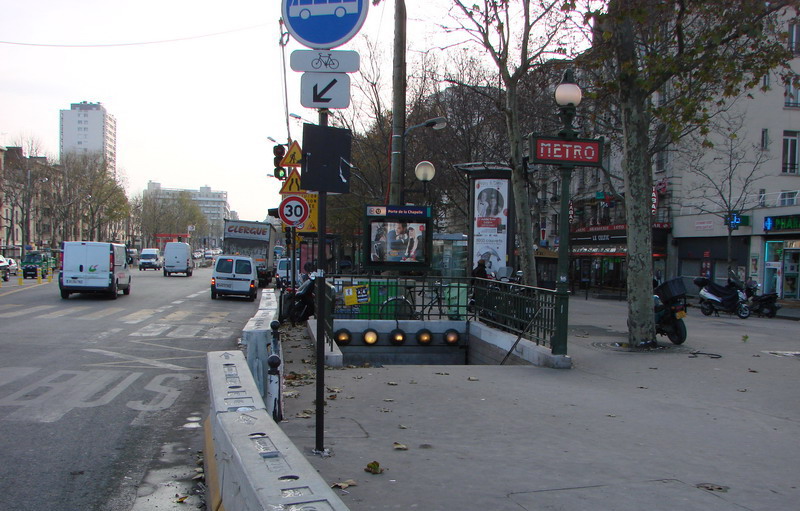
{"points": [[38, 275]]}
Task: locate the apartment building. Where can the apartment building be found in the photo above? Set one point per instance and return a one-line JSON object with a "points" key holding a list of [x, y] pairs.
{"points": [[88, 127]]}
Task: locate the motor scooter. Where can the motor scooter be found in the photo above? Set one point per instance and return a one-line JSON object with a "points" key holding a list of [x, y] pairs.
{"points": [[763, 305], [669, 307], [729, 298], [302, 306]]}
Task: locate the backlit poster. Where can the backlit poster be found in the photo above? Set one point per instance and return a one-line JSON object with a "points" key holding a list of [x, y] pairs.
{"points": [[490, 228]]}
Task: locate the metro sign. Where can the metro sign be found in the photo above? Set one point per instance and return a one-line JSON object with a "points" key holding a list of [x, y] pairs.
{"points": [[557, 151]]}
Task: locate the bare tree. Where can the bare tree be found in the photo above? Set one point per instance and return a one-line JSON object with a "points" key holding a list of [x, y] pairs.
{"points": [[517, 36], [697, 54], [720, 175]]}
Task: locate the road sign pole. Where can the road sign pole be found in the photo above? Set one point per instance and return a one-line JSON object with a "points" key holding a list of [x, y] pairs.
{"points": [[322, 200]]}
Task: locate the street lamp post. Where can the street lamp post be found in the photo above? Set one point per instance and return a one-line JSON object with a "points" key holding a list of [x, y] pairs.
{"points": [[398, 155], [567, 96]]}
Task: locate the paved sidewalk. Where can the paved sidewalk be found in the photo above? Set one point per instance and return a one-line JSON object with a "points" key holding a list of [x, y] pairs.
{"points": [[667, 429]]}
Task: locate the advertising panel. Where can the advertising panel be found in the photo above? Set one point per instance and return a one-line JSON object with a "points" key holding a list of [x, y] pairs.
{"points": [[490, 219]]}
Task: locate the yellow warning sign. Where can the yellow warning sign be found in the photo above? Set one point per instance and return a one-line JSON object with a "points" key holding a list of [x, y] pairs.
{"points": [[292, 187], [292, 184], [293, 156]]}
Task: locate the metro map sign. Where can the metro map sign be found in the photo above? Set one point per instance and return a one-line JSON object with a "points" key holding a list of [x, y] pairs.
{"points": [[324, 24]]}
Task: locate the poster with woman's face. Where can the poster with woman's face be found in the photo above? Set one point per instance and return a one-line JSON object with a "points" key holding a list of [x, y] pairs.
{"points": [[490, 222]]}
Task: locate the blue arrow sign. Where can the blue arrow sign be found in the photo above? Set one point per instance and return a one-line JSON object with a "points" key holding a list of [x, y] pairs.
{"points": [[324, 24]]}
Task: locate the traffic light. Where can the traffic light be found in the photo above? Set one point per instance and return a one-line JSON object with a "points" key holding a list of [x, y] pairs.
{"points": [[279, 151]]}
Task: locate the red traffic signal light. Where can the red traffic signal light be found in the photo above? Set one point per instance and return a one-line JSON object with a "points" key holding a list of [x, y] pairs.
{"points": [[279, 151]]}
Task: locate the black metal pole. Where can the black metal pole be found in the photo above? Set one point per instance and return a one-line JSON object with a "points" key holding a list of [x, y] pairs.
{"points": [[320, 312]]}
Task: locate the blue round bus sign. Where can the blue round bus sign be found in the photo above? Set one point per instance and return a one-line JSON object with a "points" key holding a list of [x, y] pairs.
{"points": [[324, 24]]}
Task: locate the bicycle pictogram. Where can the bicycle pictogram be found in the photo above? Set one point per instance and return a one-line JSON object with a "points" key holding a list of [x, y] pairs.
{"points": [[325, 60]]}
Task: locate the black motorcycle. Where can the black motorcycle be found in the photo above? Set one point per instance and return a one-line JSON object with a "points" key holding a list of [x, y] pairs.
{"points": [[670, 308], [763, 305], [302, 306]]}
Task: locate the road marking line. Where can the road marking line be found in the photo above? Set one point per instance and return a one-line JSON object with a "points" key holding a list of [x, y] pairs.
{"points": [[151, 330], [64, 312], [132, 358], [102, 313], [177, 316], [29, 310], [185, 331], [138, 317]]}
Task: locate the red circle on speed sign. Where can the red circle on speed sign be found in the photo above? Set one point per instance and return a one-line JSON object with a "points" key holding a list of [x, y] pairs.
{"points": [[293, 210]]}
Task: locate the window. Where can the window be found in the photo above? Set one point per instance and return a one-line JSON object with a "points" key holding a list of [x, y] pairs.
{"points": [[788, 198], [791, 97], [764, 139], [765, 81], [662, 158], [790, 152], [794, 38], [762, 197]]}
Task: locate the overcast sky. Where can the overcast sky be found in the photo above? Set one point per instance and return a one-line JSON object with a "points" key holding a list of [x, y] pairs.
{"points": [[191, 112]]}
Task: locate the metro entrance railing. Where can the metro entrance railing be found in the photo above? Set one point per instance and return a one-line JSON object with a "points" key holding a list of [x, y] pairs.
{"points": [[526, 311]]}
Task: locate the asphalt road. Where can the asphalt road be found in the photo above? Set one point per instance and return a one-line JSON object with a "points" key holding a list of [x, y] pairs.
{"points": [[100, 399]]}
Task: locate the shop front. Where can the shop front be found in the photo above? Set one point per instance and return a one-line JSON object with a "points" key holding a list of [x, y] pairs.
{"points": [[782, 256], [598, 255]]}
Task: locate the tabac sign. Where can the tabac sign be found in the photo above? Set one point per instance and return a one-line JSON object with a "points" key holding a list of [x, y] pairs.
{"points": [[558, 151]]}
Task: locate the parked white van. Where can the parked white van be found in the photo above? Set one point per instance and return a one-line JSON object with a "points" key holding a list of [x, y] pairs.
{"points": [[94, 267], [234, 275], [178, 258]]}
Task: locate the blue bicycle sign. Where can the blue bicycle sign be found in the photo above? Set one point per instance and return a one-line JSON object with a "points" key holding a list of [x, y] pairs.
{"points": [[324, 24]]}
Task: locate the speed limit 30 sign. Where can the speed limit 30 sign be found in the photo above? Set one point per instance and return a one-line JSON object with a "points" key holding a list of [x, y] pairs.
{"points": [[293, 210]]}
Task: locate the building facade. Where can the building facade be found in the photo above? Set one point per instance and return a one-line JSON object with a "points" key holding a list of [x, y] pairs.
{"points": [[88, 127], [212, 203]]}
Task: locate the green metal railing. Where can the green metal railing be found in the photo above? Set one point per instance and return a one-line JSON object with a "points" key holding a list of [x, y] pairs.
{"points": [[522, 310]]}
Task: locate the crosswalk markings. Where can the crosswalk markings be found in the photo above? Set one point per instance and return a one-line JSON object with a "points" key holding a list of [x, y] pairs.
{"points": [[63, 312], [185, 331], [138, 316], [26, 310], [151, 330], [101, 313], [177, 316]]}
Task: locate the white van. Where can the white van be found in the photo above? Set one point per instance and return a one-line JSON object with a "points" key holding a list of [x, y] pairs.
{"points": [[150, 258], [283, 269], [178, 258], [234, 275], [94, 267]]}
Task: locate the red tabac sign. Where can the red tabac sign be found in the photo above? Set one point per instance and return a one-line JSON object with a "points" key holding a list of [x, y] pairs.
{"points": [[557, 151]]}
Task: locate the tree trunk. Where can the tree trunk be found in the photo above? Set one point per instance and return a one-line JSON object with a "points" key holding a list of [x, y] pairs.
{"points": [[638, 189], [518, 185]]}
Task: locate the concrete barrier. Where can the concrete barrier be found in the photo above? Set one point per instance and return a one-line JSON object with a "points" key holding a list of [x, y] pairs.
{"points": [[251, 463]]}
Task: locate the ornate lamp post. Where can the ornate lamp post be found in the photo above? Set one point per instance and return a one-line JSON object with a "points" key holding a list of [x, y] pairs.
{"points": [[567, 96]]}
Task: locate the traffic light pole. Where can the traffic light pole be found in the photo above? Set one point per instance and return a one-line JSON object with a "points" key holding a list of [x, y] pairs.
{"points": [[322, 200]]}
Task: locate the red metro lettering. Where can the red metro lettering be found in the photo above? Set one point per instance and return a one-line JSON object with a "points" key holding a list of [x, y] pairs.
{"points": [[567, 151]]}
